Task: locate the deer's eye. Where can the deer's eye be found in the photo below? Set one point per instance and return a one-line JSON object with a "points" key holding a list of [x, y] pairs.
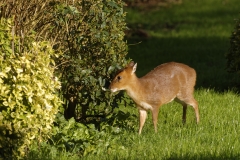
{"points": [[119, 78]]}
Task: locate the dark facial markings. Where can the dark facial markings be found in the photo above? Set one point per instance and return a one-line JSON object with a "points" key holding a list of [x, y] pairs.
{"points": [[119, 78]]}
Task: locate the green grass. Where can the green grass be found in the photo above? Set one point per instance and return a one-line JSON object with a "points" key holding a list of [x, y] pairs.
{"points": [[196, 33], [216, 137]]}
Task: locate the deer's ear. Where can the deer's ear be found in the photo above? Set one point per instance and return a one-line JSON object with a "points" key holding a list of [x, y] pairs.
{"points": [[131, 64], [134, 68]]}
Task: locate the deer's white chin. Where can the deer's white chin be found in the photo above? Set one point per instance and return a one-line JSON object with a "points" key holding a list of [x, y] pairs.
{"points": [[114, 90]]}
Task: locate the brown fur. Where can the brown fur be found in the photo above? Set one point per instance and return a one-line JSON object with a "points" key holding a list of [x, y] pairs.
{"points": [[167, 82]]}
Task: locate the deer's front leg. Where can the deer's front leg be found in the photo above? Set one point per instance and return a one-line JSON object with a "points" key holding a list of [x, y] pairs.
{"points": [[142, 117]]}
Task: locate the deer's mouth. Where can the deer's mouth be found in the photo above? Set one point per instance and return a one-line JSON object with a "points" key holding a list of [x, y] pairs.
{"points": [[114, 89]]}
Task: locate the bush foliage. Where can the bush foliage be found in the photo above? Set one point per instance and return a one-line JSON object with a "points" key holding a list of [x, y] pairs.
{"points": [[27, 91], [92, 37], [88, 39]]}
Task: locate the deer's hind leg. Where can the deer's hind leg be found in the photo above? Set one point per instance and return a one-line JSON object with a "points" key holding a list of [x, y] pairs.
{"points": [[155, 112], [188, 101]]}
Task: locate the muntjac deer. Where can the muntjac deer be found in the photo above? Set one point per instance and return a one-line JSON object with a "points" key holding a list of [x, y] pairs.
{"points": [[167, 82]]}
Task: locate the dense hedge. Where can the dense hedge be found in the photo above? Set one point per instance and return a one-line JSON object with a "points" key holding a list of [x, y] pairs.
{"points": [[89, 37], [233, 56], [28, 99], [92, 41], [86, 41]]}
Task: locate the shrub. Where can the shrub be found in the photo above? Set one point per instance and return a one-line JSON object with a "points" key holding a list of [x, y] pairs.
{"points": [[233, 56], [75, 139], [89, 35], [92, 38], [86, 35], [27, 92]]}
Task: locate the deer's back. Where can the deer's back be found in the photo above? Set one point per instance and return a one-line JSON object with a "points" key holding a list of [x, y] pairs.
{"points": [[167, 81]]}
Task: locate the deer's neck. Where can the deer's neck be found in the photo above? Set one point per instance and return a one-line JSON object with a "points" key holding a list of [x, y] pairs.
{"points": [[135, 90]]}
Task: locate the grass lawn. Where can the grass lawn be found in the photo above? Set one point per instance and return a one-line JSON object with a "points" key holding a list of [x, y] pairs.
{"points": [[216, 137], [196, 33]]}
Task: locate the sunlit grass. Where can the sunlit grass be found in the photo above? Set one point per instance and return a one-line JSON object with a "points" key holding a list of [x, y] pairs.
{"points": [[215, 137]]}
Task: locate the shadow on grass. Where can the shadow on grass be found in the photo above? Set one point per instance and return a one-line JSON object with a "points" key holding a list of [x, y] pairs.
{"points": [[205, 55]]}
